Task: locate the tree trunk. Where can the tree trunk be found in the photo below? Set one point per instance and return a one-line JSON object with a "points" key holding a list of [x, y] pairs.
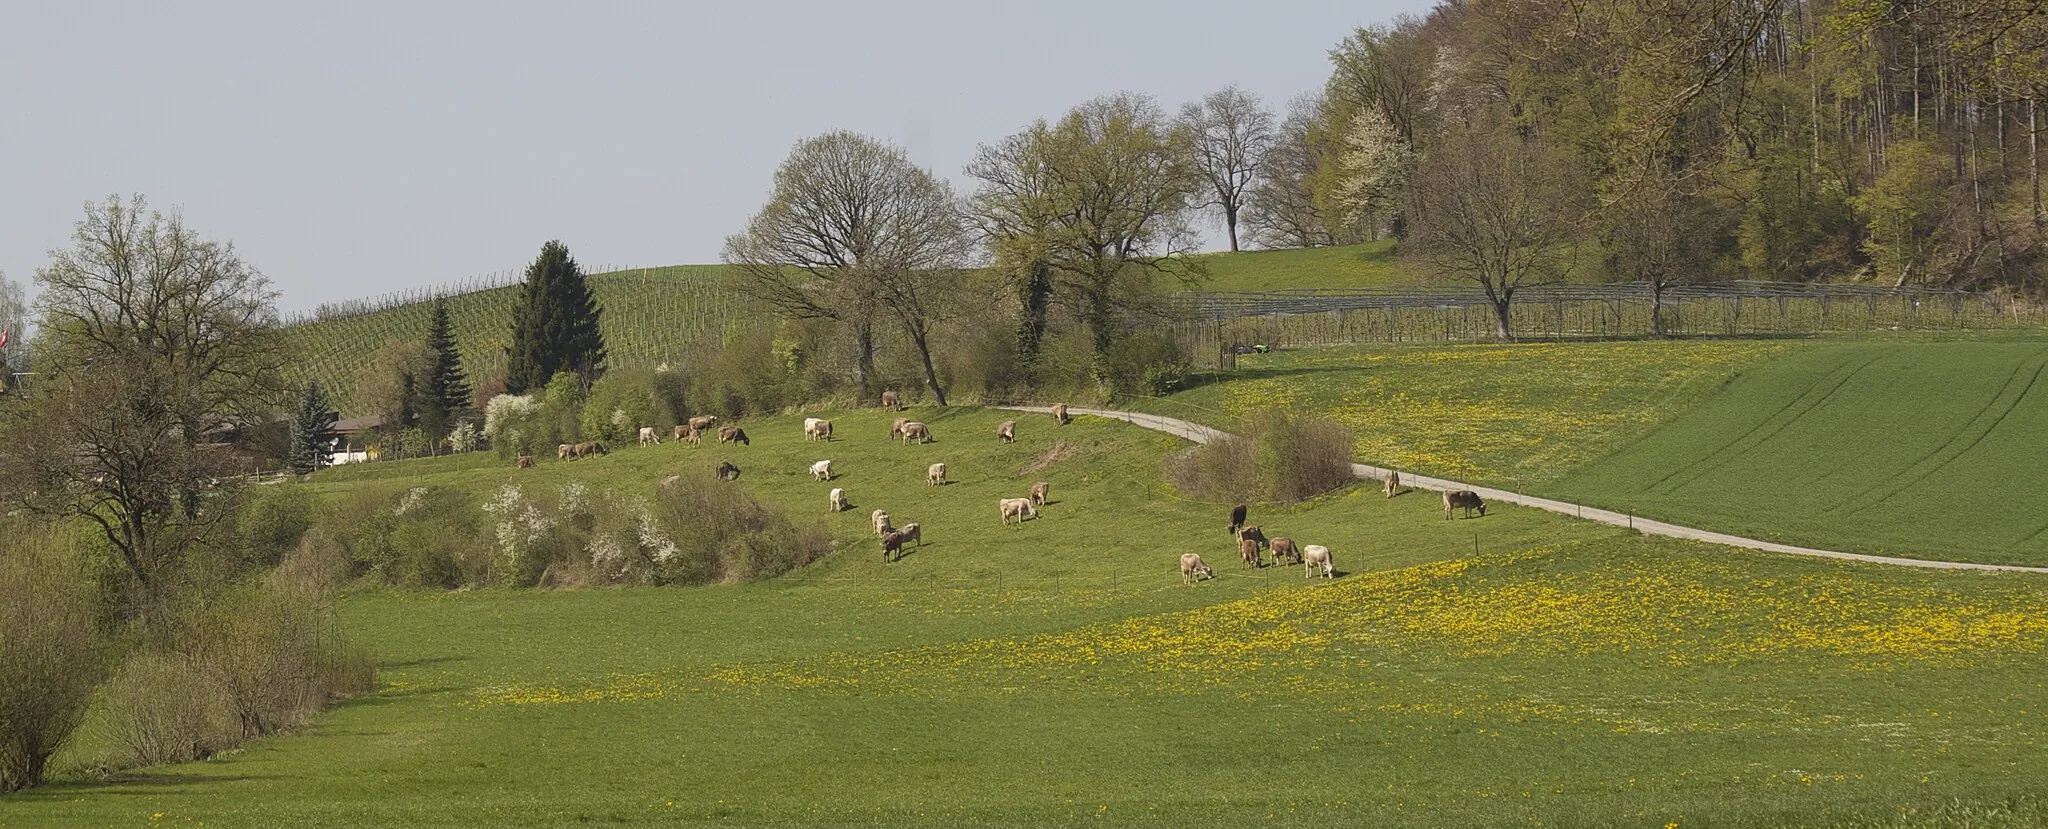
{"points": [[1657, 309], [1230, 222], [2034, 172], [931, 377], [864, 362], [1500, 320]]}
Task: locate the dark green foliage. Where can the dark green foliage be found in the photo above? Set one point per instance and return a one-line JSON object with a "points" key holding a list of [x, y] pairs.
{"points": [[312, 430], [447, 391], [554, 324]]}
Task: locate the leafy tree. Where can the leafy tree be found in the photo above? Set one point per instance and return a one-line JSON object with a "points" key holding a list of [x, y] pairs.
{"points": [[1376, 165], [447, 393], [312, 430], [390, 383], [1905, 208], [554, 324], [1230, 133]]}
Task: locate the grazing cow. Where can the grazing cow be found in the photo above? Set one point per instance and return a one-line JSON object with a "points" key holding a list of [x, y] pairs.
{"points": [[728, 472], [1462, 499], [702, 422], [817, 429], [837, 498], [1007, 430], [1393, 483], [1248, 550], [682, 431], [1040, 491], [1257, 537], [695, 437], [648, 437], [936, 474], [584, 450], [881, 520], [525, 462], [1018, 508], [896, 429], [892, 401], [912, 532], [892, 547], [1314, 557], [822, 470], [1284, 548], [1191, 566], [733, 434], [917, 431], [1059, 413], [564, 451], [1236, 519]]}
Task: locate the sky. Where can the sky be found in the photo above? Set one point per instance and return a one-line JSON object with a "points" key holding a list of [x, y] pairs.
{"points": [[351, 149]]}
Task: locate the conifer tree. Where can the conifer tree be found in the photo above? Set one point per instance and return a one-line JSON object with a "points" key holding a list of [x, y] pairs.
{"points": [[312, 430], [447, 393], [554, 324]]}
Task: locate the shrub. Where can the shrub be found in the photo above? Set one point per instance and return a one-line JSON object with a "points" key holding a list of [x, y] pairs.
{"points": [[1279, 457], [512, 423], [51, 653], [162, 709], [272, 521], [463, 437], [620, 403], [721, 534], [1146, 362]]}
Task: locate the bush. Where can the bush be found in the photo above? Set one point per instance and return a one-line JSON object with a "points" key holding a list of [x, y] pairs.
{"points": [[513, 425], [1146, 362], [51, 653], [721, 534], [272, 521], [1279, 457], [620, 403], [162, 709]]}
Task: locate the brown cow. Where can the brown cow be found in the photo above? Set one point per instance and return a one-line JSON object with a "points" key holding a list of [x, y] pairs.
{"points": [[584, 450], [525, 462], [702, 422], [917, 431], [892, 401], [1255, 534], [912, 532], [1040, 491], [1007, 430], [1059, 413], [892, 547], [682, 431], [733, 434], [728, 472], [1249, 551], [1463, 499], [695, 437], [1284, 549], [565, 451], [1236, 519]]}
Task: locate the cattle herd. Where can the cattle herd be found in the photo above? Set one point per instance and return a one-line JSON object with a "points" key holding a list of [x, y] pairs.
{"points": [[1252, 544]]}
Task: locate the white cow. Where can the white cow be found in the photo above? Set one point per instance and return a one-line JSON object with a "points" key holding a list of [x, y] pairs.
{"points": [[817, 429], [881, 520], [936, 475], [648, 437], [1316, 556], [1018, 508], [838, 499], [1191, 566], [822, 470]]}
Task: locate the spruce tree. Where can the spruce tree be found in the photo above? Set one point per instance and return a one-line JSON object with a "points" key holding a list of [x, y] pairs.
{"points": [[447, 393], [554, 324], [312, 430]]}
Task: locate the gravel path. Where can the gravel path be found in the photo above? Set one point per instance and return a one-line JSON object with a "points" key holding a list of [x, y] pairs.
{"points": [[1203, 434]]}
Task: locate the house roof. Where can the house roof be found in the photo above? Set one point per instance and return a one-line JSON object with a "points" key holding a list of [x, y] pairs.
{"points": [[349, 426]]}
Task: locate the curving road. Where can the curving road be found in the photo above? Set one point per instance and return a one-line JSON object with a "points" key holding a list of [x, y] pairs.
{"points": [[1203, 434]]}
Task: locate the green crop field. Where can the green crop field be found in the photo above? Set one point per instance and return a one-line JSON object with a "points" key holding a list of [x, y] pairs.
{"points": [[1520, 668]]}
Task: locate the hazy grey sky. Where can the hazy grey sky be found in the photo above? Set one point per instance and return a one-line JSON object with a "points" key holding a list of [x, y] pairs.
{"points": [[355, 148]]}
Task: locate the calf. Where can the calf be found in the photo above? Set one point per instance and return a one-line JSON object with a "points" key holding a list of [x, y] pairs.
{"points": [[695, 437], [1284, 548], [525, 462], [733, 434], [1040, 491], [837, 499], [1059, 413], [1018, 508], [822, 470], [1462, 499], [1191, 566], [936, 475], [1236, 519], [1007, 430], [1248, 550], [648, 437], [728, 472], [881, 520], [1314, 557], [892, 401], [917, 431]]}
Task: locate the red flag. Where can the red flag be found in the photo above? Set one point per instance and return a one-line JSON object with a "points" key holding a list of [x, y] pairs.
{"points": [[3, 336]]}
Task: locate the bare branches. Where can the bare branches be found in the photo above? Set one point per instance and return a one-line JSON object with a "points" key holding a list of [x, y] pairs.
{"points": [[1230, 133]]}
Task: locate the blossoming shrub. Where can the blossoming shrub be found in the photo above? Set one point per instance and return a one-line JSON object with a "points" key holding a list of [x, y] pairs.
{"points": [[1277, 457]]}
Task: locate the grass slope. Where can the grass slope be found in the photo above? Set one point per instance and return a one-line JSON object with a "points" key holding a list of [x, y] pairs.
{"points": [[1562, 673], [1366, 265], [1921, 449]]}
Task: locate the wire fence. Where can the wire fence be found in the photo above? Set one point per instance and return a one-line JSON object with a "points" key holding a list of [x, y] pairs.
{"points": [[1221, 323]]}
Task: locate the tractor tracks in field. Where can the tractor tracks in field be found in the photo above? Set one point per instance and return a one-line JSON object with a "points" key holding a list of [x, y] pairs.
{"points": [[1203, 434]]}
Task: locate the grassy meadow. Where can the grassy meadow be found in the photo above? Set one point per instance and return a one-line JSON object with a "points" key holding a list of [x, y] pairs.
{"points": [[1519, 668]]}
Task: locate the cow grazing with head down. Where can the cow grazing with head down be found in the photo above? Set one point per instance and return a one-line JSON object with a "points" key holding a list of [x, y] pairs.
{"points": [[584, 450], [564, 451], [728, 472], [1192, 567], [935, 474], [648, 437], [1018, 508], [1040, 491], [892, 401], [1284, 549], [733, 434], [525, 462], [822, 470], [1007, 430], [1462, 499], [915, 431], [1317, 557], [836, 499], [817, 429]]}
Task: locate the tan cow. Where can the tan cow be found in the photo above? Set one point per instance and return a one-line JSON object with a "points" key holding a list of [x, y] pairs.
{"points": [[525, 462], [1463, 499], [917, 431], [702, 422], [912, 532], [892, 401], [1284, 548], [1040, 491], [1007, 430], [1191, 566], [881, 520], [1393, 483], [1248, 550], [564, 451], [1018, 508], [896, 429], [733, 434], [682, 431], [837, 498], [1059, 413], [1317, 556], [822, 470], [936, 474], [648, 437]]}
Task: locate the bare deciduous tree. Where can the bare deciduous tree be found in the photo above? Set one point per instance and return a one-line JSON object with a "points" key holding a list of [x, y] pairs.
{"points": [[1497, 210], [155, 343], [1230, 133], [852, 231], [1281, 209]]}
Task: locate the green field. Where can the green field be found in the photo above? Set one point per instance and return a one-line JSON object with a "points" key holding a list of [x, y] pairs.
{"points": [[1057, 672], [1372, 264]]}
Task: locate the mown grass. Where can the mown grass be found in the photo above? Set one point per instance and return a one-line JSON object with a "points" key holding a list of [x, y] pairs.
{"points": [[1371, 264], [1909, 448], [1559, 674]]}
